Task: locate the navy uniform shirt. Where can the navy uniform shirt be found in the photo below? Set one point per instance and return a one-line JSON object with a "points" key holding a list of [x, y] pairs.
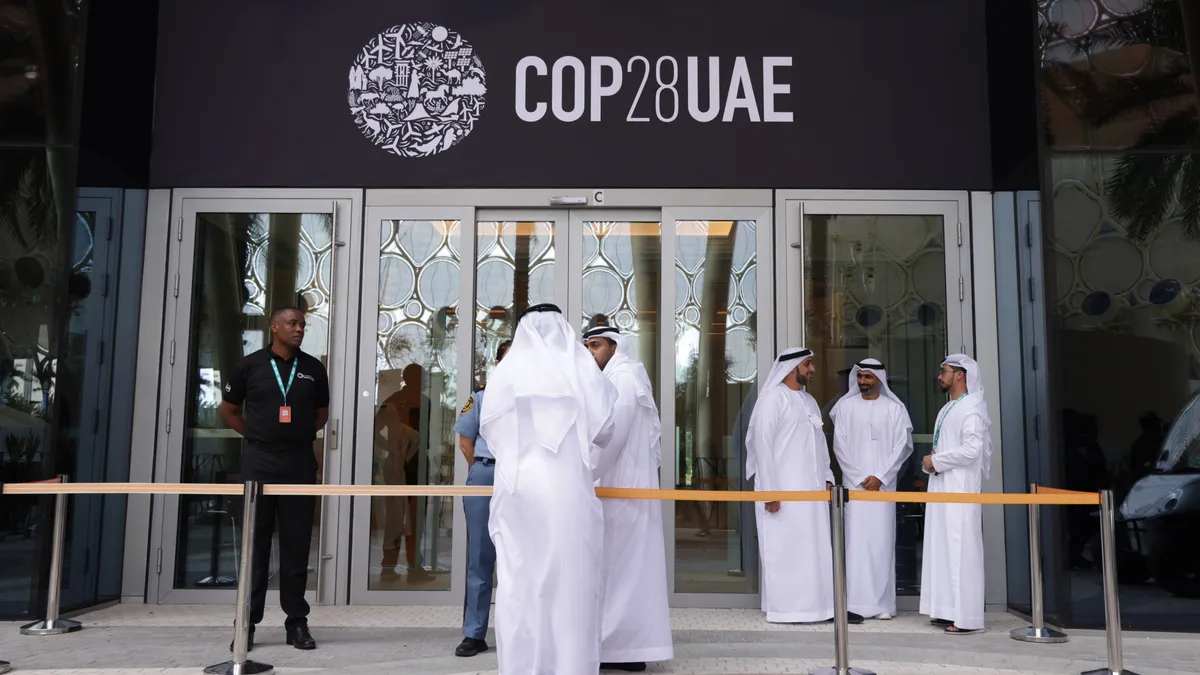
{"points": [[468, 425], [254, 384]]}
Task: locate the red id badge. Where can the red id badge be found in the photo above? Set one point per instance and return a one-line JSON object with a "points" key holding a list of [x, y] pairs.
{"points": [[285, 414]]}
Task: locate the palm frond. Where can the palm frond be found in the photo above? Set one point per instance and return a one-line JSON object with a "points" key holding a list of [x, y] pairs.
{"points": [[1120, 98], [1189, 197], [1158, 23], [1143, 186]]}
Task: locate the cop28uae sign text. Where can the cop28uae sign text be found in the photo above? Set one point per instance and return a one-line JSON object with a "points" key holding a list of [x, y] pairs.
{"points": [[579, 88], [417, 89]]}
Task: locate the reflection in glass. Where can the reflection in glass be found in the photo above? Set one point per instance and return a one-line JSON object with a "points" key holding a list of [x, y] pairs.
{"points": [[246, 265], [716, 371], [1117, 74], [515, 270], [39, 58], [875, 286], [1124, 304], [31, 234], [621, 263], [416, 401]]}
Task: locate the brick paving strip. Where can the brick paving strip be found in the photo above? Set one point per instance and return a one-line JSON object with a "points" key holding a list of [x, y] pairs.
{"points": [[142, 639]]}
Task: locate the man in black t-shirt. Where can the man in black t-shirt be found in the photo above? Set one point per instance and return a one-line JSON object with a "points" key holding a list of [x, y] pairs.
{"points": [[286, 394]]}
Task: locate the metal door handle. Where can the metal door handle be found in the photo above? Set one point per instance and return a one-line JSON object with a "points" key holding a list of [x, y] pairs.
{"points": [[333, 434]]}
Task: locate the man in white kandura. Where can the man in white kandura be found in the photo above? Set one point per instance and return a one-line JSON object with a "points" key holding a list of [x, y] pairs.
{"points": [[952, 564], [872, 437], [549, 409], [786, 450], [637, 617]]}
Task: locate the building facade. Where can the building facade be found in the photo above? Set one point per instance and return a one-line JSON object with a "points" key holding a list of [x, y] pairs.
{"points": [[864, 178]]}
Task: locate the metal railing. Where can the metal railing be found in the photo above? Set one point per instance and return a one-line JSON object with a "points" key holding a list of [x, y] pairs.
{"points": [[837, 499]]}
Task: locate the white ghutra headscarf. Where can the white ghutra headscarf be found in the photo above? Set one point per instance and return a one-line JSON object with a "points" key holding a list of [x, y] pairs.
{"points": [[976, 402], [788, 360], [548, 366], [623, 361], [876, 368]]}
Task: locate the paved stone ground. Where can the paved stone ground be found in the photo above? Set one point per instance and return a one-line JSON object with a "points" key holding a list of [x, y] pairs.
{"points": [[142, 639]]}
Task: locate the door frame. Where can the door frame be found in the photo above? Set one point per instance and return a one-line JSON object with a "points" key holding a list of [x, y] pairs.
{"points": [[363, 384], [81, 582], [791, 206], [332, 558], [471, 206]]}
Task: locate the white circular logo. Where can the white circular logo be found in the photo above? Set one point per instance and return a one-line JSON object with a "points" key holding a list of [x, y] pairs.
{"points": [[417, 89]]}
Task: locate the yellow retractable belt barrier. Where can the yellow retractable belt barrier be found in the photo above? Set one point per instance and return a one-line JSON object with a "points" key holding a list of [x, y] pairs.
{"points": [[836, 498], [1044, 495]]}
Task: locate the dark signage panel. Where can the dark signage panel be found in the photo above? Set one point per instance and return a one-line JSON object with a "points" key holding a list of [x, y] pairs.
{"points": [[867, 94]]}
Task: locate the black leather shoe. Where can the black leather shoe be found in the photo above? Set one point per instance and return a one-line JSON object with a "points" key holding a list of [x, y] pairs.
{"points": [[249, 642], [299, 637], [853, 618], [627, 667], [470, 647]]}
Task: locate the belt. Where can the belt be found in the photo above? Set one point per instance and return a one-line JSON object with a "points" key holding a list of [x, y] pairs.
{"points": [[486, 461]]}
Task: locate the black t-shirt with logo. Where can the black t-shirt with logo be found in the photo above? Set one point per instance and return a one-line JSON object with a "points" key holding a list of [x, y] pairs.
{"points": [[255, 385]]}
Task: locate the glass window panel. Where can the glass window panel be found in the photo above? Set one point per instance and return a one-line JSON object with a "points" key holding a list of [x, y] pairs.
{"points": [[621, 285], [40, 50], [716, 374], [416, 402], [1125, 292], [1117, 74], [30, 236], [246, 265], [875, 286], [516, 268]]}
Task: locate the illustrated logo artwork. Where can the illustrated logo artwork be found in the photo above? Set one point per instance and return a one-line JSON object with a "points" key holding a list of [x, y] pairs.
{"points": [[417, 89]]}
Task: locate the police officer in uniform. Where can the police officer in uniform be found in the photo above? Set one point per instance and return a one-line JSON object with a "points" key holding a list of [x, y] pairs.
{"points": [[481, 554], [286, 394]]}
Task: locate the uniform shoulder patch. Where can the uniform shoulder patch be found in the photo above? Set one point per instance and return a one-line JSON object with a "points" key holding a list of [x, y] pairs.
{"points": [[470, 404]]}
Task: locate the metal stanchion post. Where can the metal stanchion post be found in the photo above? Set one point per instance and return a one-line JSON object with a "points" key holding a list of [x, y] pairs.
{"points": [[241, 624], [52, 625], [1112, 609], [1038, 632], [841, 629]]}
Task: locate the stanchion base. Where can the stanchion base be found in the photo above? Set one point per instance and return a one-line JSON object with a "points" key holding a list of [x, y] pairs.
{"points": [[4, 667], [55, 627], [832, 670], [1043, 635], [247, 668], [1106, 671]]}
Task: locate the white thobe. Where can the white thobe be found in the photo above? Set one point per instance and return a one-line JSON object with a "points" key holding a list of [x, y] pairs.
{"points": [[952, 576], [548, 528], [791, 453], [871, 438], [637, 616]]}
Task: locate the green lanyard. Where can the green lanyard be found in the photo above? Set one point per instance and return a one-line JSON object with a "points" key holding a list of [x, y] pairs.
{"points": [[291, 378], [937, 430]]}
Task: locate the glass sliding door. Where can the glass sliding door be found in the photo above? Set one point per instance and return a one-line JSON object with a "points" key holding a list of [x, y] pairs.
{"points": [[714, 257], [238, 260], [429, 272], [410, 388]]}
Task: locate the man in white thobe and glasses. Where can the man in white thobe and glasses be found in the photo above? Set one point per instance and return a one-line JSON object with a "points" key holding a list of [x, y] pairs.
{"points": [[872, 438], [952, 576], [637, 617], [548, 421], [786, 450]]}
